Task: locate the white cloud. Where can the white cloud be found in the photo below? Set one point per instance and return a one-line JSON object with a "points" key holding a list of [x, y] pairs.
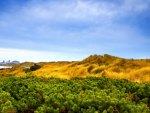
{"points": [[82, 10], [72, 27], [93, 12], [37, 56]]}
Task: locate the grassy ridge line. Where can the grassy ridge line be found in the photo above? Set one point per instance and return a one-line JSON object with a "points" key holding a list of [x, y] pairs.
{"points": [[95, 65]]}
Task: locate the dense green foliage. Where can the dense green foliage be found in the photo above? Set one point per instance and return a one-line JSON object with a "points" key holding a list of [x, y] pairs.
{"points": [[90, 95]]}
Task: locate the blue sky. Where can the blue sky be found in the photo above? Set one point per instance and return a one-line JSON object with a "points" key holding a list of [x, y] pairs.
{"points": [[52, 30]]}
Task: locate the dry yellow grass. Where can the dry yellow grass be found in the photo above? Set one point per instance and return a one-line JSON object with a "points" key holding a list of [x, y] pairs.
{"points": [[113, 67]]}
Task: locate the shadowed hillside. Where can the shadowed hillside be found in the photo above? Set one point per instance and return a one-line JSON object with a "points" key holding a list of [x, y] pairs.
{"points": [[137, 70]]}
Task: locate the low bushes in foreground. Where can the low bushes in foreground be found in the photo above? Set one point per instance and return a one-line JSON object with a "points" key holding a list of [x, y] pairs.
{"points": [[89, 95]]}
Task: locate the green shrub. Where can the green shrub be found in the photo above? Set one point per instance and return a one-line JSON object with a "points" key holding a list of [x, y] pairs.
{"points": [[78, 95], [35, 67]]}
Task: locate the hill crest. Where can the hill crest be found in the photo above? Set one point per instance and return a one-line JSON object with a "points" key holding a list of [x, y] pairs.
{"points": [[94, 65]]}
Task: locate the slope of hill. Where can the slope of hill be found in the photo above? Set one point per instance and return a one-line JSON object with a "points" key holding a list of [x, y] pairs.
{"points": [[137, 70]]}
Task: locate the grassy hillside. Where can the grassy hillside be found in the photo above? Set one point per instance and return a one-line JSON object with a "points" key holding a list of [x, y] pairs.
{"points": [[88, 86], [137, 70]]}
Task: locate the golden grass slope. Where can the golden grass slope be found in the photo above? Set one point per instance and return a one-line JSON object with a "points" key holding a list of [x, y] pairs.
{"points": [[95, 65]]}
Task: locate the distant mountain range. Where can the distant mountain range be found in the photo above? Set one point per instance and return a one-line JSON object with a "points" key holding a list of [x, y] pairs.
{"points": [[9, 62]]}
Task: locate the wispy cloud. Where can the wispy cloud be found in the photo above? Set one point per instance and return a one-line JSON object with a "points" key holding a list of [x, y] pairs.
{"points": [[83, 10], [36, 56], [79, 26]]}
